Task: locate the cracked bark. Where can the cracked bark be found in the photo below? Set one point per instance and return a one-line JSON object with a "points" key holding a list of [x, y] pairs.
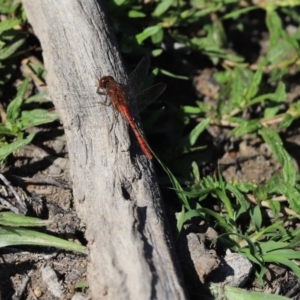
{"points": [[115, 188]]}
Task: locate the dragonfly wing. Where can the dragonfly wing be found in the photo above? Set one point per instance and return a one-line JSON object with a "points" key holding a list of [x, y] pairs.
{"points": [[138, 75], [147, 96]]}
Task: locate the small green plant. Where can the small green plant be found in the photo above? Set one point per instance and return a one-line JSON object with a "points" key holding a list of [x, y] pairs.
{"points": [[261, 244], [12, 233], [19, 120], [16, 121], [11, 40], [258, 90]]}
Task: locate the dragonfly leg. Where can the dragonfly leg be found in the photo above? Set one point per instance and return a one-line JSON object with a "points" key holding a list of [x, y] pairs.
{"points": [[115, 116], [103, 94], [98, 91], [106, 104]]}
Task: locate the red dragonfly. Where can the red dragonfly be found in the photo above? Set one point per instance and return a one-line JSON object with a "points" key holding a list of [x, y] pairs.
{"points": [[118, 97]]}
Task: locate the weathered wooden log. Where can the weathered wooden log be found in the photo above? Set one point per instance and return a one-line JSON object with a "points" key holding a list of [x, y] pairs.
{"points": [[115, 187]]}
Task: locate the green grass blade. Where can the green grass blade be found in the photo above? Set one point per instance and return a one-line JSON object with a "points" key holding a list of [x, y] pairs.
{"points": [[293, 195], [180, 219], [256, 216], [12, 219], [279, 259], [239, 196], [12, 236], [162, 7], [36, 117], [8, 24], [245, 127], [254, 85], [146, 33], [272, 138], [167, 73], [274, 25], [175, 183], [136, 14], [192, 137], [13, 109], [5, 131], [10, 49], [6, 150], [232, 293]]}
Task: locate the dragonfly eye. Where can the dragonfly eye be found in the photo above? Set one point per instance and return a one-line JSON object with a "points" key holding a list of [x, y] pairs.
{"points": [[103, 82]]}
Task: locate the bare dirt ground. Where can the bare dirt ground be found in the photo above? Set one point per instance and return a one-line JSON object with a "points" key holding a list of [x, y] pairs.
{"points": [[35, 272]]}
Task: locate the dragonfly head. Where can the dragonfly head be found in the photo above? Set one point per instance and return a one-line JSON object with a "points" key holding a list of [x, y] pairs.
{"points": [[105, 80]]}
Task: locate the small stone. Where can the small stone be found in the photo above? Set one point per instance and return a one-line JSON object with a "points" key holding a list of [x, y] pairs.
{"points": [[37, 292]]}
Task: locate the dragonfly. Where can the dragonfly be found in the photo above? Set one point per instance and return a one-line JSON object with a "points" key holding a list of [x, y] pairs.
{"points": [[120, 100]]}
